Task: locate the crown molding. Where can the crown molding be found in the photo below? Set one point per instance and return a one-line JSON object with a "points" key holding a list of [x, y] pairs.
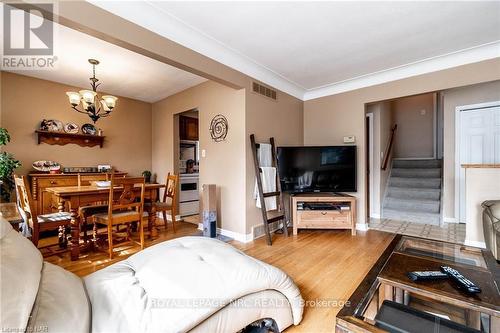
{"points": [[450, 60], [150, 16]]}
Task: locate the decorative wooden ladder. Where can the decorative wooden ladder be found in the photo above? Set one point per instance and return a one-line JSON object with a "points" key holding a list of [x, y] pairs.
{"points": [[279, 214]]}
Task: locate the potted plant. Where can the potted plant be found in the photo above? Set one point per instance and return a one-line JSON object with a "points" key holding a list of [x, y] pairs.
{"points": [[7, 166], [147, 176]]}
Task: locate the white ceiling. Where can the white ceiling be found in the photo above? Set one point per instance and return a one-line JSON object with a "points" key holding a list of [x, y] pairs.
{"points": [[312, 49], [121, 72]]}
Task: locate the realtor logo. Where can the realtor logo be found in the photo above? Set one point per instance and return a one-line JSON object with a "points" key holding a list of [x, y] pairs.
{"points": [[28, 36]]}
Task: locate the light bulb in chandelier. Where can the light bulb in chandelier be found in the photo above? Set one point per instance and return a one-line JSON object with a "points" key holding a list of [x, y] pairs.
{"points": [[91, 104]]}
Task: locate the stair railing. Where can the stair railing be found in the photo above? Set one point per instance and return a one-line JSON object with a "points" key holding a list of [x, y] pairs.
{"points": [[388, 149]]}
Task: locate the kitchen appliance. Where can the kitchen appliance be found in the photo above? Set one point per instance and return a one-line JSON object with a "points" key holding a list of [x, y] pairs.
{"points": [[189, 197], [189, 150], [317, 169]]}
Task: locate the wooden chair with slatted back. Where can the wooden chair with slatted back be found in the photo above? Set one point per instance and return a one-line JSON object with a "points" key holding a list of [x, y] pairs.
{"points": [[85, 212], [46, 222], [123, 208], [169, 199]]}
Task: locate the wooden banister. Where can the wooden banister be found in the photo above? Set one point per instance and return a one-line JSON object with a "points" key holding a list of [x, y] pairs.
{"points": [[388, 149]]}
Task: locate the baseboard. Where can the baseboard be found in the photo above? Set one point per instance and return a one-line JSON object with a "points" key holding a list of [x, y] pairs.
{"points": [[362, 226], [243, 238], [475, 243], [450, 220]]}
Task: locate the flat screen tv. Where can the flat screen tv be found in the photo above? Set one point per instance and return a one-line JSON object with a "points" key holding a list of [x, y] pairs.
{"points": [[317, 169]]}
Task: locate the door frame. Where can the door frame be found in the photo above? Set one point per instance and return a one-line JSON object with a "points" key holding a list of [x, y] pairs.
{"points": [[370, 163], [458, 168]]}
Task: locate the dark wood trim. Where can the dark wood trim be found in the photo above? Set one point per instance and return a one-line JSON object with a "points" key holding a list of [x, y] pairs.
{"points": [[61, 139], [389, 147]]}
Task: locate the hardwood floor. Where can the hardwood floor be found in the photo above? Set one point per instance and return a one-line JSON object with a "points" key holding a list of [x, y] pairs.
{"points": [[326, 265], [92, 261]]}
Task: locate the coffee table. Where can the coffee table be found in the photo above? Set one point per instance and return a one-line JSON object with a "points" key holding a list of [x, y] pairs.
{"points": [[387, 280]]}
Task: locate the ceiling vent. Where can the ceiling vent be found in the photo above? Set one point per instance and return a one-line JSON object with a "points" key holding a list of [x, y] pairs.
{"points": [[264, 91]]}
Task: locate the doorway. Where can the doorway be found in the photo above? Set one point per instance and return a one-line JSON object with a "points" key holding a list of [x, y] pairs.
{"points": [[369, 164], [188, 164], [477, 141]]}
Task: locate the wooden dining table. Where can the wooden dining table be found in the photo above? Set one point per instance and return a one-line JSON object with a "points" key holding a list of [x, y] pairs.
{"points": [[75, 197]]}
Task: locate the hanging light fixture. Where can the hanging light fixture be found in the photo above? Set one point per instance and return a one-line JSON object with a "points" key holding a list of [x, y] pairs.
{"points": [[92, 105]]}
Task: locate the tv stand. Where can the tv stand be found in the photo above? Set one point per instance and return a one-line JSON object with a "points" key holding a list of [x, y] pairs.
{"points": [[324, 211]]}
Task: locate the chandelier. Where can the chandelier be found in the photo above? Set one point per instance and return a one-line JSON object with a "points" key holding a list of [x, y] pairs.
{"points": [[92, 106]]}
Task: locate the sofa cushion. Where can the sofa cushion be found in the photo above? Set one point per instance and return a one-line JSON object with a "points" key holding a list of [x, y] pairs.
{"points": [[61, 304], [176, 285], [20, 272]]}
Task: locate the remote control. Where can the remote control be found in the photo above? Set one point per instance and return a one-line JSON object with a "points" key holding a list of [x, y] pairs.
{"points": [[427, 275], [463, 283]]}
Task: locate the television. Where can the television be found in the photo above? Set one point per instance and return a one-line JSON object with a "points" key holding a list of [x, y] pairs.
{"points": [[317, 169]]}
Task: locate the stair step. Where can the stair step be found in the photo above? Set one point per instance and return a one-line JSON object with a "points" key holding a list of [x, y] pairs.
{"points": [[411, 216], [416, 205], [414, 193], [416, 164], [416, 173], [415, 182]]}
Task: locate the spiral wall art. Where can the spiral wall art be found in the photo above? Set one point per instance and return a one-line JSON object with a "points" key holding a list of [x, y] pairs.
{"points": [[219, 128]]}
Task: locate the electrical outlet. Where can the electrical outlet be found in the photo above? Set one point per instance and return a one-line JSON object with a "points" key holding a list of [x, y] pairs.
{"points": [[349, 139]]}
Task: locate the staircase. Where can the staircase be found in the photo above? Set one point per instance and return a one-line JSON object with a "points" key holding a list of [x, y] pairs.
{"points": [[414, 192]]}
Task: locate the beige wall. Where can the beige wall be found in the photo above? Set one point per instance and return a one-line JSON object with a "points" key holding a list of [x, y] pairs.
{"points": [[328, 119], [479, 93], [283, 120], [224, 163], [480, 185], [414, 136], [228, 164], [26, 101]]}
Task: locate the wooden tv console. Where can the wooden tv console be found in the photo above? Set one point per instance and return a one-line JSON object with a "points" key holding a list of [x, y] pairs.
{"points": [[324, 219]]}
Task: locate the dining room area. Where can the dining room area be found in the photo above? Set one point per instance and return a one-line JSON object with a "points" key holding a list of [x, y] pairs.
{"points": [[80, 178], [107, 214]]}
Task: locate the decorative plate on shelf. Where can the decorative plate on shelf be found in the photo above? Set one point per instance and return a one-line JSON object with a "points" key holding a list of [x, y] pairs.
{"points": [[46, 166], [71, 128], [51, 125], [89, 129]]}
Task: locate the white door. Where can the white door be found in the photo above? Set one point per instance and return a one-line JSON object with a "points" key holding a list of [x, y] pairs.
{"points": [[479, 143]]}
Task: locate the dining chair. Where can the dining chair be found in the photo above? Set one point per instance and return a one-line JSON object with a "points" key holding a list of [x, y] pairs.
{"points": [[60, 221], [168, 203], [86, 212], [124, 208]]}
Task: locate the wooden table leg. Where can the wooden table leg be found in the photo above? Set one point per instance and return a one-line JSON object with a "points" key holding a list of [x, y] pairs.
{"points": [[473, 319], [60, 205], [75, 235], [386, 292], [494, 324], [153, 231]]}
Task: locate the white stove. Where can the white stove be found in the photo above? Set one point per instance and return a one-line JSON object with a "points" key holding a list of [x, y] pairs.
{"points": [[189, 198]]}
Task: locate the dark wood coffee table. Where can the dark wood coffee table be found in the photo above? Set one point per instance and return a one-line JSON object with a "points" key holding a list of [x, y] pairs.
{"points": [[387, 280]]}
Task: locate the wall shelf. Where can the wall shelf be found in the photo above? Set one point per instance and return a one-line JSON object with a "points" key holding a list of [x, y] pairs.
{"points": [[61, 139]]}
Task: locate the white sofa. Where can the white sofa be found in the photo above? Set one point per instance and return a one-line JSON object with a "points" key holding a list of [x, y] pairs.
{"points": [[191, 284]]}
